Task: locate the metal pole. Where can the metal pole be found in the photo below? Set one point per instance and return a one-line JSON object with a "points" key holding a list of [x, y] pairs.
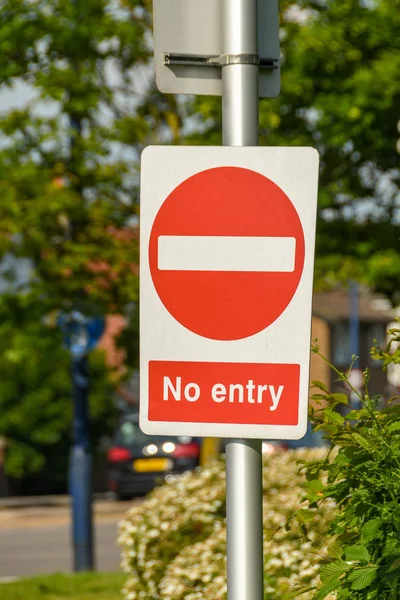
{"points": [[240, 82], [244, 517], [244, 522], [80, 470], [354, 335], [354, 322]]}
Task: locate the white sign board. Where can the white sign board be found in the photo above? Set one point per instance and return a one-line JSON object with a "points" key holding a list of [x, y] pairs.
{"points": [[194, 27], [227, 255]]}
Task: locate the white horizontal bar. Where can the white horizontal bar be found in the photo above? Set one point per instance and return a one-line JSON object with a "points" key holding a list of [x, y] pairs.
{"points": [[226, 253]]}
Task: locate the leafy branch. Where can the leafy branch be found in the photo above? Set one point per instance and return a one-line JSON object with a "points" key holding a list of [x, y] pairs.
{"points": [[362, 475]]}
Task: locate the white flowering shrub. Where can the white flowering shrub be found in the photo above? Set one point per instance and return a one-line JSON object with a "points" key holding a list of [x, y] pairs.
{"points": [[173, 545]]}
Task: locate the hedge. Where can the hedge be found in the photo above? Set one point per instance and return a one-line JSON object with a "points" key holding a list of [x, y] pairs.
{"points": [[173, 545]]}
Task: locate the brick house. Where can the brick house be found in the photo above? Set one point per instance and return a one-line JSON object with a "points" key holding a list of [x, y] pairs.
{"points": [[331, 324]]}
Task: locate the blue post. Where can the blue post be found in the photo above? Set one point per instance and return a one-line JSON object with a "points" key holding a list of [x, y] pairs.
{"points": [[80, 469], [81, 334], [81, 461]]}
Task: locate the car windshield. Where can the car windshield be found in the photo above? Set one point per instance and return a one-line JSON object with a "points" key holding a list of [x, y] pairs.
{"points": [[129, 434]]}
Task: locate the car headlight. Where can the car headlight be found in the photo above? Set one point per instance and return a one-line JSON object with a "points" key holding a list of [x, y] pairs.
{"points": [[168, 447]]}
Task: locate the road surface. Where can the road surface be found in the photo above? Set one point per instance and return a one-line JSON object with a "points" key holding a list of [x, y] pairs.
{"points": [[38, 541]]}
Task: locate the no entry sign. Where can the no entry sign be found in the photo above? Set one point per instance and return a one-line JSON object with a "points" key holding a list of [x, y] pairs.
{"points": [[215, 259], [227, 250]]}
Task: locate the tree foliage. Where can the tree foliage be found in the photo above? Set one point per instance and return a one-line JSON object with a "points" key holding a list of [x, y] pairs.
{"points": [[69, 199], [361, 474], [341, 94], [68, 160], [63, 198], [35, 393]]}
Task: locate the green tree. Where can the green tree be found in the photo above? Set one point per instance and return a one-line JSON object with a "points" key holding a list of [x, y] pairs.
{"points": [[341, 94], [35, 393], [69, 197], [69, 160]]}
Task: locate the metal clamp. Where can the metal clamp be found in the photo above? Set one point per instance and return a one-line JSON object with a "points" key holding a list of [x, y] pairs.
{"points": [[219, 60]]}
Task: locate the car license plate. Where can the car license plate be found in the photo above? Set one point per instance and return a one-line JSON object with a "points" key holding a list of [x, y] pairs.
{"points": [[144, 465]]}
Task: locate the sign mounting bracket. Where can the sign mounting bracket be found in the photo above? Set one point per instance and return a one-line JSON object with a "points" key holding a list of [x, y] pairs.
{"points": [[219, 60]]}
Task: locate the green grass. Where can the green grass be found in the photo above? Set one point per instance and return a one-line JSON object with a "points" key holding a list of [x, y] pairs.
{"points": [[82, 586]]}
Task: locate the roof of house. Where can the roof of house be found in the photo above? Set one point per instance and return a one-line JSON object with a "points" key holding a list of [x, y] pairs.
{"points": [[335, 306]]}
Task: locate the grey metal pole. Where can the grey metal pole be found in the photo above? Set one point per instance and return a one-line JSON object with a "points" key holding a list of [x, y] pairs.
{"points": [[244, 517], [244, 520], [240, 81]]}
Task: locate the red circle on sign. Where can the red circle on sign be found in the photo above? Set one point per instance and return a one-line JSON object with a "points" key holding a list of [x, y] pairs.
{"points": [[220, 202]]}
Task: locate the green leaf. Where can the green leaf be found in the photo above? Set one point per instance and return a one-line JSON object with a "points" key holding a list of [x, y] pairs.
{"points": [[320, 385], [335, 550], [304, 515], [362, 577], [315, 485], [357, 553], [333, 416], [341, 398], [320, 397], [394, 427], [333, 570], [326, 589], [362, 441], [371, 530]]}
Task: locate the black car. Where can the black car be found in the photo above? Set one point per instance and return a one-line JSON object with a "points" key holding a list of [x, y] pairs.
{"points": [[138, 462]]}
